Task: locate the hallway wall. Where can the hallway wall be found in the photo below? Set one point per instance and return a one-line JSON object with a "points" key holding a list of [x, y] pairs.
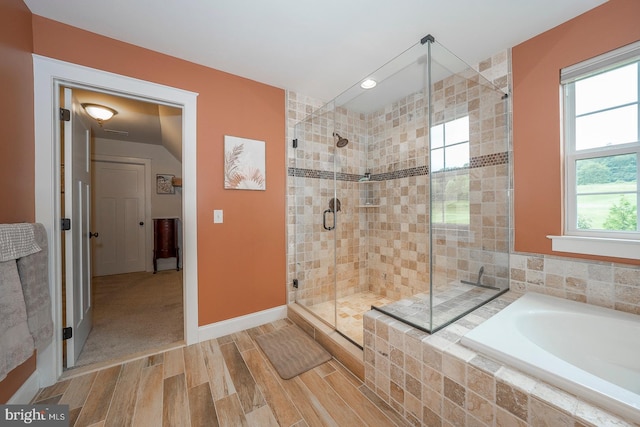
{"points": [[162, 162]]}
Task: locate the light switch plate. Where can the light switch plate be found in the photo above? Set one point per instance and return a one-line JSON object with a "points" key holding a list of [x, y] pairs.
{"points": [[217, 216]]}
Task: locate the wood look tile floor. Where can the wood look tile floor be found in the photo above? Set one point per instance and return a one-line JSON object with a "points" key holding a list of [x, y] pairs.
{"points": [[221, 382]]}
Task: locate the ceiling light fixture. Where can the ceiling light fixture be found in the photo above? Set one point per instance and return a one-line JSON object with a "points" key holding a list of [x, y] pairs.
{"points": [[368, 84], [99, 112]]}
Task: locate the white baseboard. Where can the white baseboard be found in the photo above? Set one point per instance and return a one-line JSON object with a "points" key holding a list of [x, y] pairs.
{"points": [[237, 324], [27, 391]]}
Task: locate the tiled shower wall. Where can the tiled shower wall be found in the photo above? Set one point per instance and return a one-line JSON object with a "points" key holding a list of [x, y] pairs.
{"points": [[385, 249], [314, 258], [398, 246], [298, 108], [398, 263]]}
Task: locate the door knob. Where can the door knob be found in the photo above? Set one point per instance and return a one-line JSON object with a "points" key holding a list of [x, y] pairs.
{"points": [[141, 222], [93, 234]]}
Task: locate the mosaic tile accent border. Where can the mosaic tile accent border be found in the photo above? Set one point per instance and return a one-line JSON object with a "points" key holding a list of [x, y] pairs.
{"points": [[318, 174], [489, 160], [403, 173], [475, 162]]}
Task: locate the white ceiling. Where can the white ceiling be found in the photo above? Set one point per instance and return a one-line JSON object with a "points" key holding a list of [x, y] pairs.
{"points": [[317, 48]]}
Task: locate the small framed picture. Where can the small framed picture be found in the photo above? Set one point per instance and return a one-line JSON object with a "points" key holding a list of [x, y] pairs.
{"points": [[164, 184], [244, 164]]}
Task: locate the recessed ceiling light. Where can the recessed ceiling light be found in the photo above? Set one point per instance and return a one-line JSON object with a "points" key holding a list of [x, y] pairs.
{"points": [[368, 84]]}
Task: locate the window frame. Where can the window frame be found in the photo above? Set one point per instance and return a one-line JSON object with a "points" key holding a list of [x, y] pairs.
{"points": [[444, 223], [592, 67]]}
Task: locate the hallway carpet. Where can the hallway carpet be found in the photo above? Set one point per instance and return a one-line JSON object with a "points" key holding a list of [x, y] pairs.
{"points": [[133, 313]]}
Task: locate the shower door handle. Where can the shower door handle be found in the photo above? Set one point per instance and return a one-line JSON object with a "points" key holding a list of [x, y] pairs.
{"points": [[324, 220]]}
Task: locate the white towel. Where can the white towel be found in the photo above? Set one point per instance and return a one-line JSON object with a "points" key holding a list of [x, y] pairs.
{"points": [[34, 277], [16, 342], [16, 241]]}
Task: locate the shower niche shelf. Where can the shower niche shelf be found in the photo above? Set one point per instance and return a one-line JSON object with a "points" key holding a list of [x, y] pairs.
{"points": [[369, 194]]}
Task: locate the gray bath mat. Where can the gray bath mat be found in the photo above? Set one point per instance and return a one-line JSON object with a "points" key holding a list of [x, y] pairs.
{"points": [[291, 351]]}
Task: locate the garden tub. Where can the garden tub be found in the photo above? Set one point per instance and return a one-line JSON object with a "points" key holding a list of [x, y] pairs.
{"points": [[590, 351]]}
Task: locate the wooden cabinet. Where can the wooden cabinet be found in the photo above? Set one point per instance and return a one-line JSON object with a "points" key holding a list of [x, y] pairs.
{"points": [[165, 241]]}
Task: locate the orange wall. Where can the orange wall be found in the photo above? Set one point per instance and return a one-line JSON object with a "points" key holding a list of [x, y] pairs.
{"points": [[16, 114], [16, 378], [241, 263], [536, 114], [16, 141]]}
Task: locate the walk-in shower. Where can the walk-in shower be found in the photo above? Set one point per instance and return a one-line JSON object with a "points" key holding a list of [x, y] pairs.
{"points": [[422, 227]]}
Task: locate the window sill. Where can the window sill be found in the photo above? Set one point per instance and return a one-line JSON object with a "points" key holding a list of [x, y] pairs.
{"points": [[617, 248]]}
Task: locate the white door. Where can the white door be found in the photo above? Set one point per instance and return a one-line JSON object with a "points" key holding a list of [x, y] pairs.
{"points": [[119, 214], [77, 200]]}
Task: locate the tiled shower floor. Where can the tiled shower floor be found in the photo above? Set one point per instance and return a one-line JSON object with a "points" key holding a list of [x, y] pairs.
{"points": [[448, 304], [350, 312]]}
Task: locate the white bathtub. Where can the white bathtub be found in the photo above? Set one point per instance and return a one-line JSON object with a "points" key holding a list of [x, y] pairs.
{"points": [[586, 350]]}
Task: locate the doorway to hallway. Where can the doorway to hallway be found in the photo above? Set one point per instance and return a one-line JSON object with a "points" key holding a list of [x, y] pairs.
{"points": [[50, 76], [131, 309]]}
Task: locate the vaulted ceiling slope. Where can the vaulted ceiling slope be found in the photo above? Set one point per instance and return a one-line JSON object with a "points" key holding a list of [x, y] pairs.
{"points": [[136, 121]]}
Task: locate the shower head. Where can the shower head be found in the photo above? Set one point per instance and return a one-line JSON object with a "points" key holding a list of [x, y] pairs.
{"points": [[341, 141]]}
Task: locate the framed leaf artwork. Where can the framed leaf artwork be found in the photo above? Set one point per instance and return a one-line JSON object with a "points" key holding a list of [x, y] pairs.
{"points": [[244, 164]]}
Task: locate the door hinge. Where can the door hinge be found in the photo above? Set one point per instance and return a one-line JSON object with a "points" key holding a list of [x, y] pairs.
{"points": [[295, 283], [65, 224], [67, 333], [65, 115], [295, 143]]}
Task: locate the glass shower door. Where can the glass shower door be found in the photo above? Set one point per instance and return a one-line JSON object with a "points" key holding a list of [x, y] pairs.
{"points": [[315, 221], [349, 158]]}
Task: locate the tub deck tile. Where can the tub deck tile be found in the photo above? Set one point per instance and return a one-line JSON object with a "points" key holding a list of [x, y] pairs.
{"points": [[463, 387]]}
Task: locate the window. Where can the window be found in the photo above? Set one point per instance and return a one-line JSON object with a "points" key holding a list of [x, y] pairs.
{"points": [[602, 148], [450, 152]]}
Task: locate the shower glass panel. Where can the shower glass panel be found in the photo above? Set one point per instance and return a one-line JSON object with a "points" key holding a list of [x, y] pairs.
{"points": [[313, 175], [469, 227], [392, 192], [464, 177], [422, 229]]}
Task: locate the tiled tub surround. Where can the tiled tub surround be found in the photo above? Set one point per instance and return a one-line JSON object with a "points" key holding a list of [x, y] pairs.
{"points": [[604, 284], [432, 380], [575, 346]]}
